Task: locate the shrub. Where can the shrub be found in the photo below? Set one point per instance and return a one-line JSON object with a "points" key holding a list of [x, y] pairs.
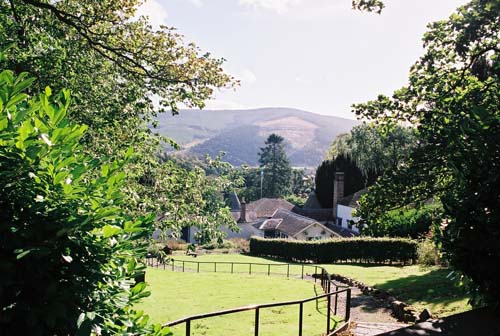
{"points": [[68, 252], [410, 222], [366, 250], [177, 245], [243, 245], [428, 253], [216, 244]]}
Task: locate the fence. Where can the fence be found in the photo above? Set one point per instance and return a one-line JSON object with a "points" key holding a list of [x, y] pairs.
{"points": [[327, 284]]}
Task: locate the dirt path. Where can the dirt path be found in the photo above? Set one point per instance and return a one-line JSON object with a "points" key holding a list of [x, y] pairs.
{"points": [[370, 317]]}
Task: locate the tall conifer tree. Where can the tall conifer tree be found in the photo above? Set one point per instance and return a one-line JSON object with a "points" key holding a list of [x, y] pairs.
{"points": [[276, 167]]}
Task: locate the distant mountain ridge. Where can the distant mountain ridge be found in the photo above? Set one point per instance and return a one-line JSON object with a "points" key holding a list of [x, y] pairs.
{"points": [[241, 133]]}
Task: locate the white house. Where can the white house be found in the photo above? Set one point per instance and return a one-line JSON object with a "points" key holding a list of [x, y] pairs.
{"points": [[345, 209], [344, 206]]}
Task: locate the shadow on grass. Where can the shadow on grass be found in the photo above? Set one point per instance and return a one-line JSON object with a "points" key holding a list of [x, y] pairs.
{"points": [[433, 287], [347, 263]]}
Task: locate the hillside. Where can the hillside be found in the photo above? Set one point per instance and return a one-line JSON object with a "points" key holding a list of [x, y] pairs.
{"points": [[240, 133]]}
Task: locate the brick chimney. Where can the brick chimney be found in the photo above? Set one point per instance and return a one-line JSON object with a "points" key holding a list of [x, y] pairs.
{"points": [[243, 211], [338, 190]]}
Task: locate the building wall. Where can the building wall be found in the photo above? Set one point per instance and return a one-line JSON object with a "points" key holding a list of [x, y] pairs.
{"points": [[345, 213], [315, 231]]}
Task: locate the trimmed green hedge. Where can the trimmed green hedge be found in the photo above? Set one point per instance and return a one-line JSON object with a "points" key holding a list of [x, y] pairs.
{"points": [[363, 250]]}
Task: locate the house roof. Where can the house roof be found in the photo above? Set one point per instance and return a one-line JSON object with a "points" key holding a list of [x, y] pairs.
{"points": [[352, 199], [343, 232], [265, 207], [234, 201], [293, 223], [321, 215], [312, 201], [250, 216], [270, 224]]}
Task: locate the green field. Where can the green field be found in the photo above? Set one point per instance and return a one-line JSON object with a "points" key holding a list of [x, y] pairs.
{"points": [[175, 295], [421, 287]]}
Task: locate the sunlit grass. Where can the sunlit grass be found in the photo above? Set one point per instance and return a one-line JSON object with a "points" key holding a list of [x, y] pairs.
{"points": [[175, 295], [422, 287]]}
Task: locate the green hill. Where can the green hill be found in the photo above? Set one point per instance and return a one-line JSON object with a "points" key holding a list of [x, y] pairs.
{"points": [[241, 133]]}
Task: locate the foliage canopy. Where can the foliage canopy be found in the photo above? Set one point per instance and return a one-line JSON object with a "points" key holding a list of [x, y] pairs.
{"points": [[453, 96], [69, 253], [276, 167]]}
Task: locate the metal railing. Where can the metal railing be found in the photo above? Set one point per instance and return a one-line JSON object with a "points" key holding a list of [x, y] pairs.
{"points": [[257, 308], [327, 284]]}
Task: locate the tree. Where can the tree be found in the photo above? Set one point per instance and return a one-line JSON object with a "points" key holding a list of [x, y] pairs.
{"points": [[354, 180], [69, 252], [276, 166], [302, 184], [453, 98], [250, 188], [115, 66], [409, 222], [374, 149]]}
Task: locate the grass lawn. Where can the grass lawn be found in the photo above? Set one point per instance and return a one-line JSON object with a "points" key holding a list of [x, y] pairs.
{"points": [[421, 287], [175, 295]]}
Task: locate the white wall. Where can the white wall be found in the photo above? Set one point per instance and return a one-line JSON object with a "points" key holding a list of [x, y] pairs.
{"points": [[313, 231], [345, 213]]}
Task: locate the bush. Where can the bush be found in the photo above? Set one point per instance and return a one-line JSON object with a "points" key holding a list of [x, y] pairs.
{"points": [[215, 244], [428, 253], [243, 245], [365, 250], [412, 223], [177, 245], [69, 254]]}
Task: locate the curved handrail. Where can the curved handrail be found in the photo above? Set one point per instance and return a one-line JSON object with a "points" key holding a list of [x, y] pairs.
{"points": [[252, 307]]}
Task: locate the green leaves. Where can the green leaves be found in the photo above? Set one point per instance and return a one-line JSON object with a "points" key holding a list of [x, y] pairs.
{"points": [[276, 166], [62, 227], [452, 98], [110, 230]]}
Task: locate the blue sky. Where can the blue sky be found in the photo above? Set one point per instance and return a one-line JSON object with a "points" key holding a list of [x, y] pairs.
{"points": [[316, 55]]}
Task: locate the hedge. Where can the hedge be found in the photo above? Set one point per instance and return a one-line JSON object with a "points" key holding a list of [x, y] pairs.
{"points": [[363, 250]]}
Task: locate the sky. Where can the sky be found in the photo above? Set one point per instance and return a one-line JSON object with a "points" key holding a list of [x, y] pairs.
{"points": [[316, 55]]}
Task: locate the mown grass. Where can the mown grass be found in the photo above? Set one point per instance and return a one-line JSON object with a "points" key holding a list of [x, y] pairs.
{"points": [[175, 295], [421, 287]]}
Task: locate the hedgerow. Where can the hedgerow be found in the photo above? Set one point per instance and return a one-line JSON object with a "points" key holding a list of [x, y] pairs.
{"points": [[364, 250]]}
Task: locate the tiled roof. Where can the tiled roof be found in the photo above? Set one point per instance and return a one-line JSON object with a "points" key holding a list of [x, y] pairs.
{"points": [[234, 201], [270, 224], [352, 199], [265, 207], [321, 215], [250, 216], [312, 201], [293, 223], [343, 232]]}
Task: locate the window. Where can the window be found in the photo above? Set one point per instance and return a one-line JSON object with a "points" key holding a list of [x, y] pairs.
{"points": [[349, 224], [339, 221], [315, 238]]}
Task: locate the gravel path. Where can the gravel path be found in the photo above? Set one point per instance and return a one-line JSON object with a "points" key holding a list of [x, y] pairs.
{"points": [[369, 316]]}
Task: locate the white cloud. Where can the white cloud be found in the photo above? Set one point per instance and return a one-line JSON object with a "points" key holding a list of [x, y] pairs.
{"points": [[300, 9], [156, 13], [246, 76], [302, 80], [197, 3], [278, 6], [222, 104]]}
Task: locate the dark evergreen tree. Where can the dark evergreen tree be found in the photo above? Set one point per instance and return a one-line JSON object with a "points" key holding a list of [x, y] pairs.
{"points": [[276, 166], [354, 180]]}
